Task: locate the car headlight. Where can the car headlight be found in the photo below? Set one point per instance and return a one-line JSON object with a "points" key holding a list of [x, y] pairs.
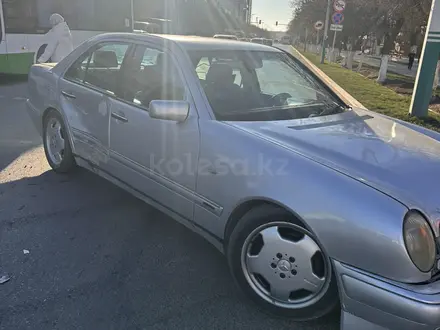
{"points": [[419, 241]]}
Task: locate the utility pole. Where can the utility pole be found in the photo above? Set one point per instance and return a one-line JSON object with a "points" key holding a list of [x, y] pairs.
{"points": [[132, 14], [427, 64], [327, 19], [305, 42]]}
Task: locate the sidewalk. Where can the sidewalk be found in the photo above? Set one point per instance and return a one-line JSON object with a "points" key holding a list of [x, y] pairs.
{"points": [[398, 66], [403, 60]]}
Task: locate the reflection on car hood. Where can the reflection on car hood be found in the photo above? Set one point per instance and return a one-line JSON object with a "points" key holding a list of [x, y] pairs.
{"points": [[371, 148]]}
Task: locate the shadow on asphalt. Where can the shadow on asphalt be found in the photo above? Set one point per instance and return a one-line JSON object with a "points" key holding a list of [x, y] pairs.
{"points": [[12, 79], [17, 133], [101, 259]]}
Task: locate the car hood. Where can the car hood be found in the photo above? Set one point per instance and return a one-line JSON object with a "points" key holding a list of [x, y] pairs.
{"points": [[388, 155]]}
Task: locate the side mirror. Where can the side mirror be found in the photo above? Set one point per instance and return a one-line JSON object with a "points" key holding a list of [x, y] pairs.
{"points": [[169, 110]]}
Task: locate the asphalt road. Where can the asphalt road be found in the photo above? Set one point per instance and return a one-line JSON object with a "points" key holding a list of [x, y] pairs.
{"points": [[83, 254]]}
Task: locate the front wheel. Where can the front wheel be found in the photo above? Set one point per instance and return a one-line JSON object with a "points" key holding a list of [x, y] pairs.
{"points": [[280, 266], [56, 143]]}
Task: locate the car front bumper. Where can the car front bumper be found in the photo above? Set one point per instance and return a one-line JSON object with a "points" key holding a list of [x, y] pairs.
{"points": [[370, 302]]}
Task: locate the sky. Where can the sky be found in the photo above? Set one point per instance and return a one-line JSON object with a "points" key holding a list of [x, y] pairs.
{"points": [[270, 11]]}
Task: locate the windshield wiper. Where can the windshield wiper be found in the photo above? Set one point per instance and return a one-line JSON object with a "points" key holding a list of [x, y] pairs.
{"points": [[274, 108], [334, 109]]}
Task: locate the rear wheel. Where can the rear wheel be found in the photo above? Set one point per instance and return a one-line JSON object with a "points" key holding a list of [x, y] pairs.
{"points": [[280, 265], [56, 143]]}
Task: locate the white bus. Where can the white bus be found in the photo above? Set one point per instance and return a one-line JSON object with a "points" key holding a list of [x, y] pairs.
{"points": [[25, 22]]}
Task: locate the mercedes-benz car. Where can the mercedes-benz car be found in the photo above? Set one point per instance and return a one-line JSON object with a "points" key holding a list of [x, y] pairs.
{"points": [[316, 205]]}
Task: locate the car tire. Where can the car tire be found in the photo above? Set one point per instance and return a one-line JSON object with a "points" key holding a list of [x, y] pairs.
{"points": [[256, 288], [57, 144]]}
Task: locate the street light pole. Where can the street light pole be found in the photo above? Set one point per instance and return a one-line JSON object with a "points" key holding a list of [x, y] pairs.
{"points": [[132, 14], [324, 41]]}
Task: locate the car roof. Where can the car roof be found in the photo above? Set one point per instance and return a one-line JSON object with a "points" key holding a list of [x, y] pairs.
{"points": [[191, 43], [202, 43], [225, 35]]}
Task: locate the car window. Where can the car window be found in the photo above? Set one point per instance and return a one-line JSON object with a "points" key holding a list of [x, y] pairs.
{"points": [[77, 71], [149, 57], [260, 85], [153, 76], [275, 76], [204, 64], [103, 70], [202, 68]]}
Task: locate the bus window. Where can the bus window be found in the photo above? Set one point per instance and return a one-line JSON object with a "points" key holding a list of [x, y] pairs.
{"points": [[32, 16], [19, 15]]}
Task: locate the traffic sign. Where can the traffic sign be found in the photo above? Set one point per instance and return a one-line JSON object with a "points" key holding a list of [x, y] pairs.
{"points": [[319, 25], [339, 5], [338, 18], [336, 27]]}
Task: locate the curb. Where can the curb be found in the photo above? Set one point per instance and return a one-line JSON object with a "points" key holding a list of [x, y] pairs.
{"points": [[338, 90]]}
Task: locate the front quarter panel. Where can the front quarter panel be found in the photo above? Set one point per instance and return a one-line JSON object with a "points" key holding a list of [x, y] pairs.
{"points": [[356, 224]]}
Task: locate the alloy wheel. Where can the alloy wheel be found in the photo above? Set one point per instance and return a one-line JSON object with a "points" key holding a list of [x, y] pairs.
{"points": [[55, 142], [285, 266]]}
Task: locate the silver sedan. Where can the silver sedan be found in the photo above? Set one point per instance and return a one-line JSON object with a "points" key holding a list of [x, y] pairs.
{"points": [[316, 205]]}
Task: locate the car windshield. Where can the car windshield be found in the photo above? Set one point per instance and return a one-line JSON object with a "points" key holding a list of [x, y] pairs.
{"points": [[260, 85]]}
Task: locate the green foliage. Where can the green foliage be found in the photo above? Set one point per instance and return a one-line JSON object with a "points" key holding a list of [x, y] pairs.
{"points": [[382, 18], [374, 96]]}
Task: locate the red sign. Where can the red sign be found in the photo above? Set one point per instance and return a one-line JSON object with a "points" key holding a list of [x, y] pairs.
{"points": [[339, 5]]}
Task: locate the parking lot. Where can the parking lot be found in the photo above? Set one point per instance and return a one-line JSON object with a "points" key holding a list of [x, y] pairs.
{"points": [[83, 254]]}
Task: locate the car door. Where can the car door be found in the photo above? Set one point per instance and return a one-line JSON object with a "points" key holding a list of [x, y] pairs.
{"points": [[84, 97], [157, 158]]}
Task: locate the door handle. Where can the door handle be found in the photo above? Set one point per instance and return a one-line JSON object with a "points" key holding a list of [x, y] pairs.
{"points": [[119, 117], [70, 96]]}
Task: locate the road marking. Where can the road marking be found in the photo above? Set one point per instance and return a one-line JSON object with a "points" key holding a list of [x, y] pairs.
{"points": [[19, 98]]}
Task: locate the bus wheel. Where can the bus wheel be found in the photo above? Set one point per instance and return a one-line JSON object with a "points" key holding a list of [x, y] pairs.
{"points": [[39, 52]]}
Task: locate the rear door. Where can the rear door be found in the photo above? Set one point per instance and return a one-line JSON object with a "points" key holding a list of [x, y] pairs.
{"points": [[84, 96]]}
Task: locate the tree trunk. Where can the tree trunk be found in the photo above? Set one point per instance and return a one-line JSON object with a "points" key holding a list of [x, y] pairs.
{"points": [[350, 57], [383, 69], [387, 47], [344, 59], [361, 60], [436, 77]]}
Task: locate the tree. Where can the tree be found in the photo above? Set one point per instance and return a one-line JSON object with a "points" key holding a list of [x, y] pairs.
{"points": [[385, 19]]}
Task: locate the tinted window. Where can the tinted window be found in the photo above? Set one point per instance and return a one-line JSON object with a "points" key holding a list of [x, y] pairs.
{"points": [[259, 85], [103, 70], [77, 72], [153, 76], [100, 67], [204, 64], [20, 15]]}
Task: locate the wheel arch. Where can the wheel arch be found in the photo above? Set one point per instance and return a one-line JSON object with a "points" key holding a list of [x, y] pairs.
{"points": [[247, 205], [66, 124]]}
